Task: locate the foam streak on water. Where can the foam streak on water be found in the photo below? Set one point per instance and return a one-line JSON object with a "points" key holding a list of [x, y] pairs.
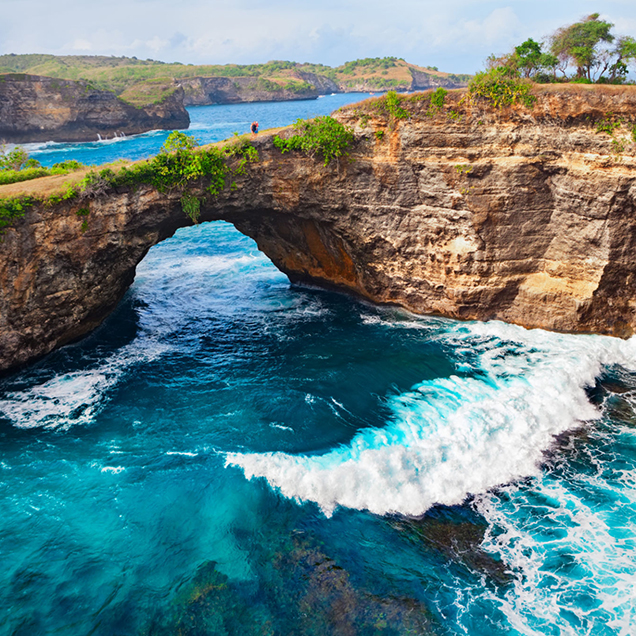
{"points": [[75, 398], [453, 437]]}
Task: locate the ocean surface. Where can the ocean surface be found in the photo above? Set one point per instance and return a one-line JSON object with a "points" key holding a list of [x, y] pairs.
{"points": [[229, 454]]}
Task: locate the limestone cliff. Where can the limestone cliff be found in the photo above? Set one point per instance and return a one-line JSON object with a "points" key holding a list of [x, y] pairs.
{"points": [[423, 81], [199, 91], [525, 215], [35, 108]]}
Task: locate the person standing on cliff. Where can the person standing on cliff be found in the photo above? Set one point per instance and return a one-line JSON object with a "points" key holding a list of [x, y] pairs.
{"points": [[254, 128]]}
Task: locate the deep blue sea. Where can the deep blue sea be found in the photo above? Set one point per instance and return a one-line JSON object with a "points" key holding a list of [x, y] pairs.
{"points": [[229, 454]]}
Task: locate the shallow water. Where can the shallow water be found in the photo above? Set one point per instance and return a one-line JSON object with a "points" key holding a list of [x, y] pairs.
{"points": [[230, 454]]}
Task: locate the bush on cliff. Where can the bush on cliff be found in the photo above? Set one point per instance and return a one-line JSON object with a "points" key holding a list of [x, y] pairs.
{"points": [[501, 86], [17, 166], [179, 166], [322, 136]]}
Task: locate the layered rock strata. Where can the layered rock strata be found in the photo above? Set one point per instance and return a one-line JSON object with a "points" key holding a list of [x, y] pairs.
{"points": [[35, 108], [523, 215]]}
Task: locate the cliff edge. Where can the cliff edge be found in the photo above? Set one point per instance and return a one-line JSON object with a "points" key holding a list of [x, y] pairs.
{"points": [[35, 108], [526, 215]]}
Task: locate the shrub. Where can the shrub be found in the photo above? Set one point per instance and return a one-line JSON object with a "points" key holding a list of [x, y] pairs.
{"points": [[607, 125], [178, 164], [64, 167], [323, 136], [17, 166], [191, 206], [438, 97], [391, 106], [16, 160], [15, 176], [394, 106], [501, 86], [11, 209]]}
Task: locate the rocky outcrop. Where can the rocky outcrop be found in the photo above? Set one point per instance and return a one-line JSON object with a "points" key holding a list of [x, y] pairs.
{"points": [[324, 85], [423, 81], [34, 108], [524, 215], [201, 91]]}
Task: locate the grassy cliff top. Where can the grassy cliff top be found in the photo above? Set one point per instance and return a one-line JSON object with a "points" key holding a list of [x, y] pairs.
{"points": [[120, 73]]}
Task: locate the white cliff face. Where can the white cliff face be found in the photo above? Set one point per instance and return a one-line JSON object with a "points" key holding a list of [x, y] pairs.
{"points": [[526, 216]]}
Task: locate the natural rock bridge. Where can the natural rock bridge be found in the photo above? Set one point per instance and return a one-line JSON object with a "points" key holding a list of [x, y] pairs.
{"points": [[525, 216]]}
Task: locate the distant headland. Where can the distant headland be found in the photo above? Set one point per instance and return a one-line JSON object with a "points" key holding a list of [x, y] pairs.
{"points": [[78, 98]]}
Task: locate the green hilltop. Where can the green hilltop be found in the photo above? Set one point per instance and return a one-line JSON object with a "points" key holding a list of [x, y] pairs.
{"points": [[119, 74]]}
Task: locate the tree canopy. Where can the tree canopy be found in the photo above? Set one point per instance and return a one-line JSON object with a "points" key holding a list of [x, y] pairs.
{"points": [[589, 46], [578, 44]]}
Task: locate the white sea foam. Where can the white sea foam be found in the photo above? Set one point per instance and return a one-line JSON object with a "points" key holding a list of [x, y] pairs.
{"points": [[113, 469], [597, 585], [281, 427], [74, 398], [456, 436]]}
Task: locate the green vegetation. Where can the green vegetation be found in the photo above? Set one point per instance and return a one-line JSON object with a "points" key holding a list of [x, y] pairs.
{"points": [[83, 213], [17, 166], [368, 65], [26, 174], [152, 91], [532, 61], [322, 136], [393, 105], [607, 125], [378, 83], [588, 46], [611, 125], [16, 160], [12, 209], [191, 206], [578, 44], [179, 166], [437, 98], [142, 82], [501, 86]]}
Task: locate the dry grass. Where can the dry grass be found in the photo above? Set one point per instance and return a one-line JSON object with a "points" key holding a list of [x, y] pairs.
{"points": [[584, 89], [42, 187]]}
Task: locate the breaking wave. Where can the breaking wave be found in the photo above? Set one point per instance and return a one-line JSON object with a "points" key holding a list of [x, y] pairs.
{"points": [[448, 438]]}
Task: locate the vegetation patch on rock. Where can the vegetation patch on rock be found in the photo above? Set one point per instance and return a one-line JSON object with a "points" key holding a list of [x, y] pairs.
{"points": [[180, 166], [322, 136]]}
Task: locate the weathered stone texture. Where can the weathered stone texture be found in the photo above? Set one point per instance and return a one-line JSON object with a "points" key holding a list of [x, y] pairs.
{"points": [[34, 108], [526, 217]]}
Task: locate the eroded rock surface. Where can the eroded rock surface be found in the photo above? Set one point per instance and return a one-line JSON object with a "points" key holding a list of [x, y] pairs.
{"points": [[522, 215], [200, 91], [35, 108]]}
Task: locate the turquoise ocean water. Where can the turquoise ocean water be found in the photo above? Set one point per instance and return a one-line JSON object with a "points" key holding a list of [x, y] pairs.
{"points": [[230, 454]]}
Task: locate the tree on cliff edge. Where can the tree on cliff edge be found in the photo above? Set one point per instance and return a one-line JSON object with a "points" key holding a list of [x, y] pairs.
{"points": [[580, 44]]}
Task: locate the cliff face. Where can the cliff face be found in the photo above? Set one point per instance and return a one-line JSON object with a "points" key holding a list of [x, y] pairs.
{"points": [[527, 216], [423, 81], [200, 91], [34, 108]]}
